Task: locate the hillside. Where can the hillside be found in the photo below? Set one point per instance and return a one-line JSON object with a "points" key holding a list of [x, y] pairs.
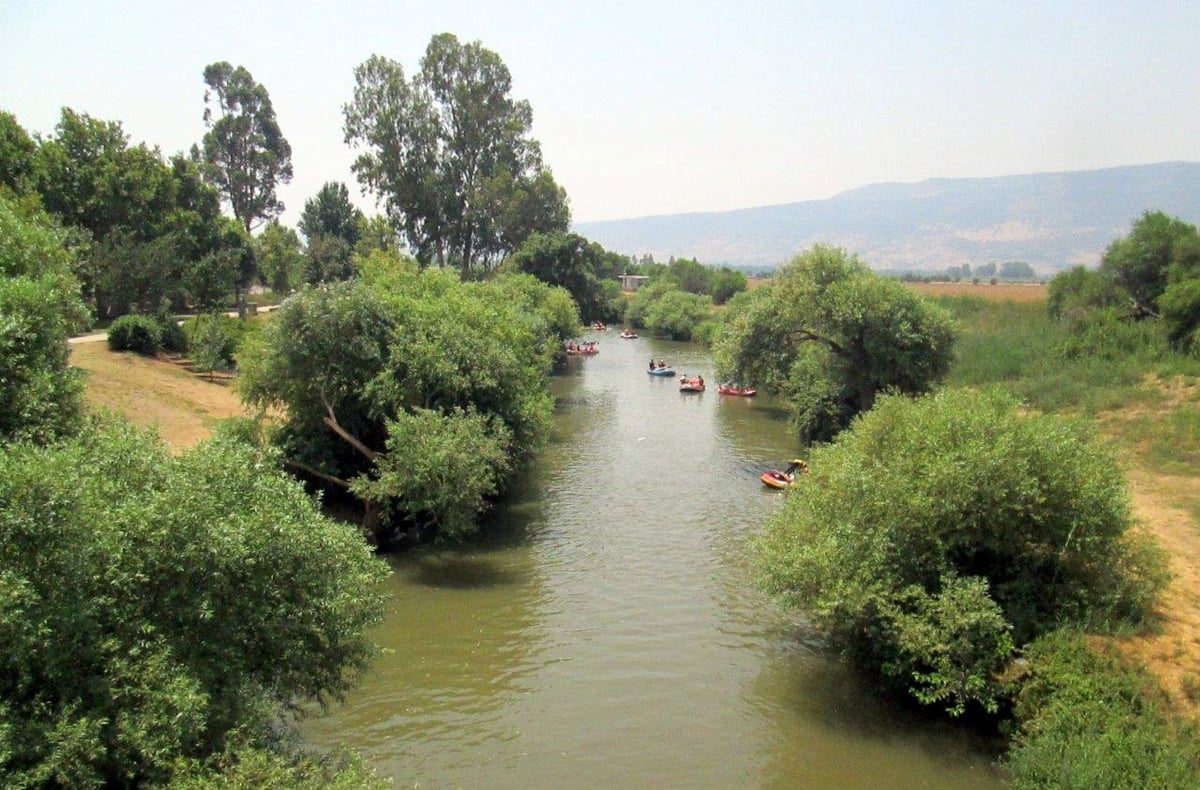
{"points": [[1049, 220]]}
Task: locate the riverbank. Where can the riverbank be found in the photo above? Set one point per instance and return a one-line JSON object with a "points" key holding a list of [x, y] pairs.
{"points": [[184, 408]]}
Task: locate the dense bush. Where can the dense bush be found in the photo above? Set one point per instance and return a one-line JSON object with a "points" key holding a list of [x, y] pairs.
{"points": [[40, 393], [938, 533], [152, 620], [142, 334], [1086, 720]]}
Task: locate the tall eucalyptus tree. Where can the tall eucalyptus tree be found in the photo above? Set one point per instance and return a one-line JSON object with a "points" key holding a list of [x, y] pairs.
{"points": [[449, 153]]}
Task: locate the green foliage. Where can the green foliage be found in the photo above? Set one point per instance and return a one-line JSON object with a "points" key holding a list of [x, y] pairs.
{"points": [[211, 341], [449, 152], [245, 154], [676, 314], [381, 376], [39, 306], [1087, 720], [1180, 307], [441, 466], [570, 261], [141, 334], [149, 220], [831, 335], [332, 226], [1105, 334], [1077, 289], [936, 530], [151, 619], [1045, 364], [1142, 263], [725, 283], [17, 156], [637, 309], [280, 260]]}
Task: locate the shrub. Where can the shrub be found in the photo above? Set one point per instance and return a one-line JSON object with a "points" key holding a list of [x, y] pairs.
{"points": [[1087, 720], [937, 533], [139, 333]]}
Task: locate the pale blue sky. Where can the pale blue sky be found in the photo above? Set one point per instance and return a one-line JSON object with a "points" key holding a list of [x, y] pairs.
{"points": [[649, 107]]}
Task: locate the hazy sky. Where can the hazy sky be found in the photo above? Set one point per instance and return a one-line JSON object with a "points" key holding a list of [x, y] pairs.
{"points": [[649, 107]]}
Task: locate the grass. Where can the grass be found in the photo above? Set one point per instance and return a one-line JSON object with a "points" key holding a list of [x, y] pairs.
{"points": [[1054, 367]]}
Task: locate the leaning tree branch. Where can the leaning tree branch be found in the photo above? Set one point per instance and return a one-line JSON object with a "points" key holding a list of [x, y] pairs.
{"points": [[809, 335], [331, 420], [328, 478]]}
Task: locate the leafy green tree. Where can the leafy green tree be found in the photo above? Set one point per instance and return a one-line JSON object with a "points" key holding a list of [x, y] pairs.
{"points": [[939, 533], [725, 283], [150, 221], [89, 176], [1140, 264], [690, 275], [281, 262], [1017, 270], [1180, 308], [677, 314], [377, 233], [332, 226], [330, 213], [17, 156], [450, 154], [39, 307], [637, 309], [1079, 289], [370, 370], [570, 261], [244, 151], [831, 335], [153, 620]]}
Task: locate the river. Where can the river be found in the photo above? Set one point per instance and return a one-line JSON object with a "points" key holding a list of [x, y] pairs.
{"points": [[607, 632]]}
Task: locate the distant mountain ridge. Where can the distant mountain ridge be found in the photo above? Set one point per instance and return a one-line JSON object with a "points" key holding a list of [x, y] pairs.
{"points": [[1048, 220]]}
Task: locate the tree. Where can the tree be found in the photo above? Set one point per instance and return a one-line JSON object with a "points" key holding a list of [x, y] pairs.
{"points": [[690, 275], [677, 314], [150, 221], [89, 176], [382, 376], [245, 154], [40, 394], [280, 261], [1017, 270], [332, 226], [569, 261], [17, 156], [725, 283], [937, 534], [330, 213], [154, 621], [1140, 263], [831, 335], [449, 153]]}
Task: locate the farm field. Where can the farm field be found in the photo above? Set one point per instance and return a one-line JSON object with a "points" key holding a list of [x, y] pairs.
{"points": [[1008, 292]]}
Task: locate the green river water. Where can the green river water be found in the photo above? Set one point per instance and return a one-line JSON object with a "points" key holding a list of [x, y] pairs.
{"points": [[608, 633]]}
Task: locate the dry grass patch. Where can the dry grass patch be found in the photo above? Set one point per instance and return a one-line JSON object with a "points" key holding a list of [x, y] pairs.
{"points": [[1000, 292], [156, 393]]}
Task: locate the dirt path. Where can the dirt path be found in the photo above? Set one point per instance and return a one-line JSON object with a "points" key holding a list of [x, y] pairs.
{"points": [[1172, 650]]}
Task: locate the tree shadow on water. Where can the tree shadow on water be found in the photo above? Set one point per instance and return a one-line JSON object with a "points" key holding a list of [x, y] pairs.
{"points": [[459, 572]]}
